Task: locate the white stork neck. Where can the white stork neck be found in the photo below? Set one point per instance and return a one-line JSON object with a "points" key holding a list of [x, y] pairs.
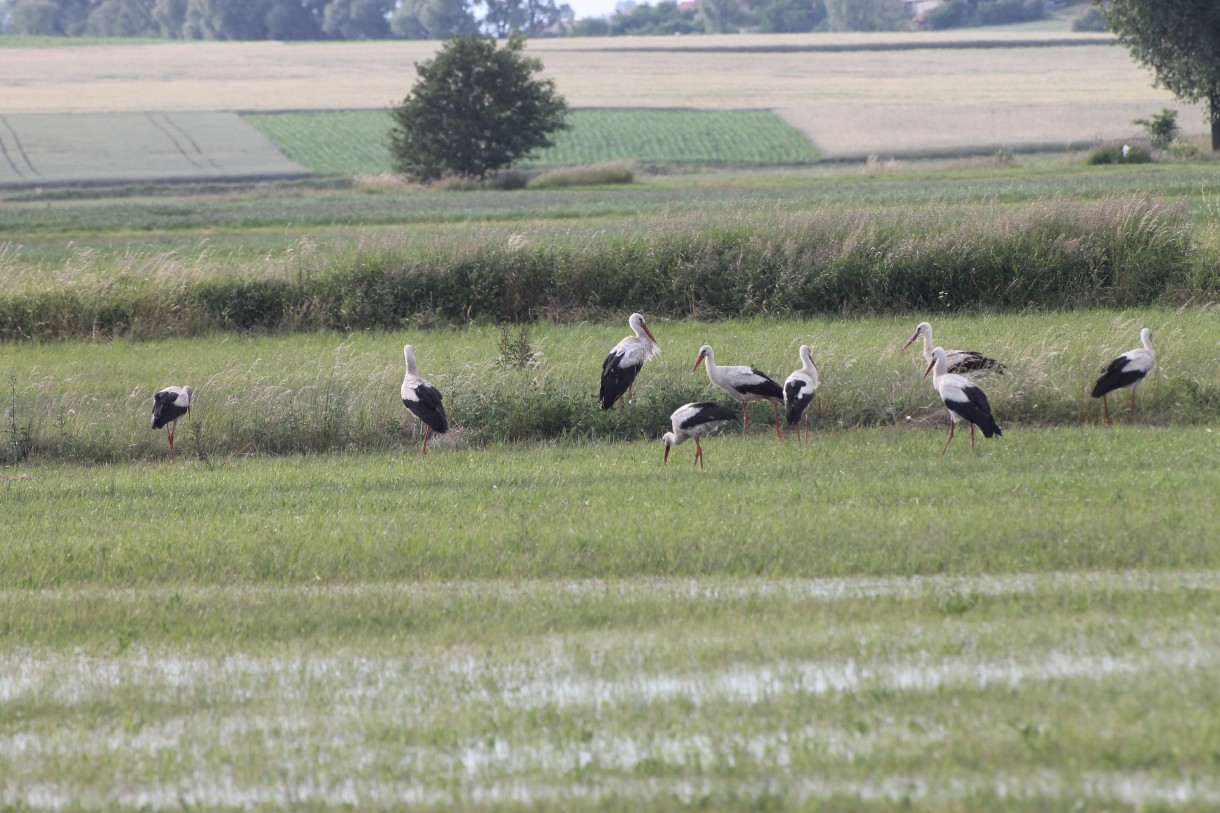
{"points": [[410, 356]]}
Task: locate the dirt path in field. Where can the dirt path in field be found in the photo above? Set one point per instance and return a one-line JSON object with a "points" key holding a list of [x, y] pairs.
{"points": [[855, 95]]}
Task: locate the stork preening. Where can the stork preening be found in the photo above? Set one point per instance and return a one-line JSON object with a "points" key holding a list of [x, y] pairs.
{"points": [[625, 361], [1128, 370], [694, 421], [799, 389], [963, 398], [961, 362], [169, 405], [743, 384], [423, 399]]}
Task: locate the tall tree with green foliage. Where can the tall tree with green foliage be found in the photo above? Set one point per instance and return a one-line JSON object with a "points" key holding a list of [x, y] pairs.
{"points": [[1180, 41], [474, 110]]}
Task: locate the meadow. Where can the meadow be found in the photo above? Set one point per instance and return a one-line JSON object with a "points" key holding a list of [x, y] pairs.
{"points": [[303, 612]]}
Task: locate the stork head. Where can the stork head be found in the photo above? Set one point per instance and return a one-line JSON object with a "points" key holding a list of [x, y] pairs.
{"points": [[939, 358], [190, 396], [669, 438], [705, 352], [922, 329], [638, 324]]}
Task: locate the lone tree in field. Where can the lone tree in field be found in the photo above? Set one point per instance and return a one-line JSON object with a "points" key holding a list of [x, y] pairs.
{"points": [[475, 110], [1180, 41]]}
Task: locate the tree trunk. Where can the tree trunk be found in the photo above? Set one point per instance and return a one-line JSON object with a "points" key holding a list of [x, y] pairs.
{"points": [[1214, 104]]}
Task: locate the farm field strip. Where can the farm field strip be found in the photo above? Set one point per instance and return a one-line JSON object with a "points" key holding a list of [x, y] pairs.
{"points": [[355, 142], [722, 690], [983, 96]]}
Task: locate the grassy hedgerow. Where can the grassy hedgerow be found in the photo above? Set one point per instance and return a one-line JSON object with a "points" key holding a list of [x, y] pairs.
{"points": [[1121, 252], [325, 392]]}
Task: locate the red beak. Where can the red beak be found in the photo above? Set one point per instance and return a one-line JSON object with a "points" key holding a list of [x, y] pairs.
{"points": [[649, 334], [911, 341], [698, 361], [665, 462], [931, 364]]}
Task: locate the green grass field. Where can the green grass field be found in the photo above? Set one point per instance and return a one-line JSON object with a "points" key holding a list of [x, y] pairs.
{"points": [[856, 624], [355, 142]]}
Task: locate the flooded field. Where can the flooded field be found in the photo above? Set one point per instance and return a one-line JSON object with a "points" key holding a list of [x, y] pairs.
{"points": [[1016, 691]]}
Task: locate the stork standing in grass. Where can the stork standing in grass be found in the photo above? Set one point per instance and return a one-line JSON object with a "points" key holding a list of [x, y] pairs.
{"points": [[961, 362], [625, 361], [694, 421], [423, 399], [964, 399], [799, 389], [1128, 370], [169, 405], [743, 384]]}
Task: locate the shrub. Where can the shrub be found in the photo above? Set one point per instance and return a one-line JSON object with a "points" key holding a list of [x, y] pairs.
{"points": [[1162, 128], [1119, 154], [596, 175]]}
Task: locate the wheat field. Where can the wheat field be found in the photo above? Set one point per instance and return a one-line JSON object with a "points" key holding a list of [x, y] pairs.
{"points": [[854, 95]]}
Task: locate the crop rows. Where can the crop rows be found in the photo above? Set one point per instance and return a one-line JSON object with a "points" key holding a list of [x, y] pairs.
{"points": [[356, 142]]}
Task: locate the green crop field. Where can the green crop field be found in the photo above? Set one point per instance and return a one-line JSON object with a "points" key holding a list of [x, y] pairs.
{"points": [[354, 142]]}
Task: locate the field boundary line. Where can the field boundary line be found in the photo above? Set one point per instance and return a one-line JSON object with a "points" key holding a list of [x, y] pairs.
{"points": [[176, 136], [19, 150], [834, 48]]}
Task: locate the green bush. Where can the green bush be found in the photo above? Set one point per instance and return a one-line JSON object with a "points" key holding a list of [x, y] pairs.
{"points": [[1113, 154]]}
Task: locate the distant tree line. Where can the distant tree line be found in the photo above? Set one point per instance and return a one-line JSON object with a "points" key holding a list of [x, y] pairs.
{"points": [[440, 19]]}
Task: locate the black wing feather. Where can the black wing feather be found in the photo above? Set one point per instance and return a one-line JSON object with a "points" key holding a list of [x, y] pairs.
{"points": [[977, 410], [165, 410], [767, 388], [616, 379], [797, 400], [1115, 378], [429, 408], [975, 361]]}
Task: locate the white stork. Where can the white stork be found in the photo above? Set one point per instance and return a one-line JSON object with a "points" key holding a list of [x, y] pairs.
{"points": [[169, 405], [625, 361], [1128, 370], [694, 421], [743, 384], [963, 398], [423, 399], [961, 362], [799, 389]]}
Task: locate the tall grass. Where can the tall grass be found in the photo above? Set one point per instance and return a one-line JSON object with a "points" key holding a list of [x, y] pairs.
{"points": [[1121, 252], [326, 392]]}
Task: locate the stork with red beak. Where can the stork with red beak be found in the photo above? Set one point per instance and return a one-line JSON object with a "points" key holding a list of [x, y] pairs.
{"points": [[963, 398], [743, 384], [1128, 370], [625, 361], [694, 421]]}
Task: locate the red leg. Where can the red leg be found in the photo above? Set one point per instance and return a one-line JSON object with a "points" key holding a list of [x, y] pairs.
{"points": [[971, 436], [745, 418], [952, 426], [806, 426], [170, 431], [698, 452], [775, 408], [425, 449], [1132, 401], [1105, 404]]}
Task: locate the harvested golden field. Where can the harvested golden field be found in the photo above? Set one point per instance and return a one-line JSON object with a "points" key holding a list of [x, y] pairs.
{"points": [[854, 94]]}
